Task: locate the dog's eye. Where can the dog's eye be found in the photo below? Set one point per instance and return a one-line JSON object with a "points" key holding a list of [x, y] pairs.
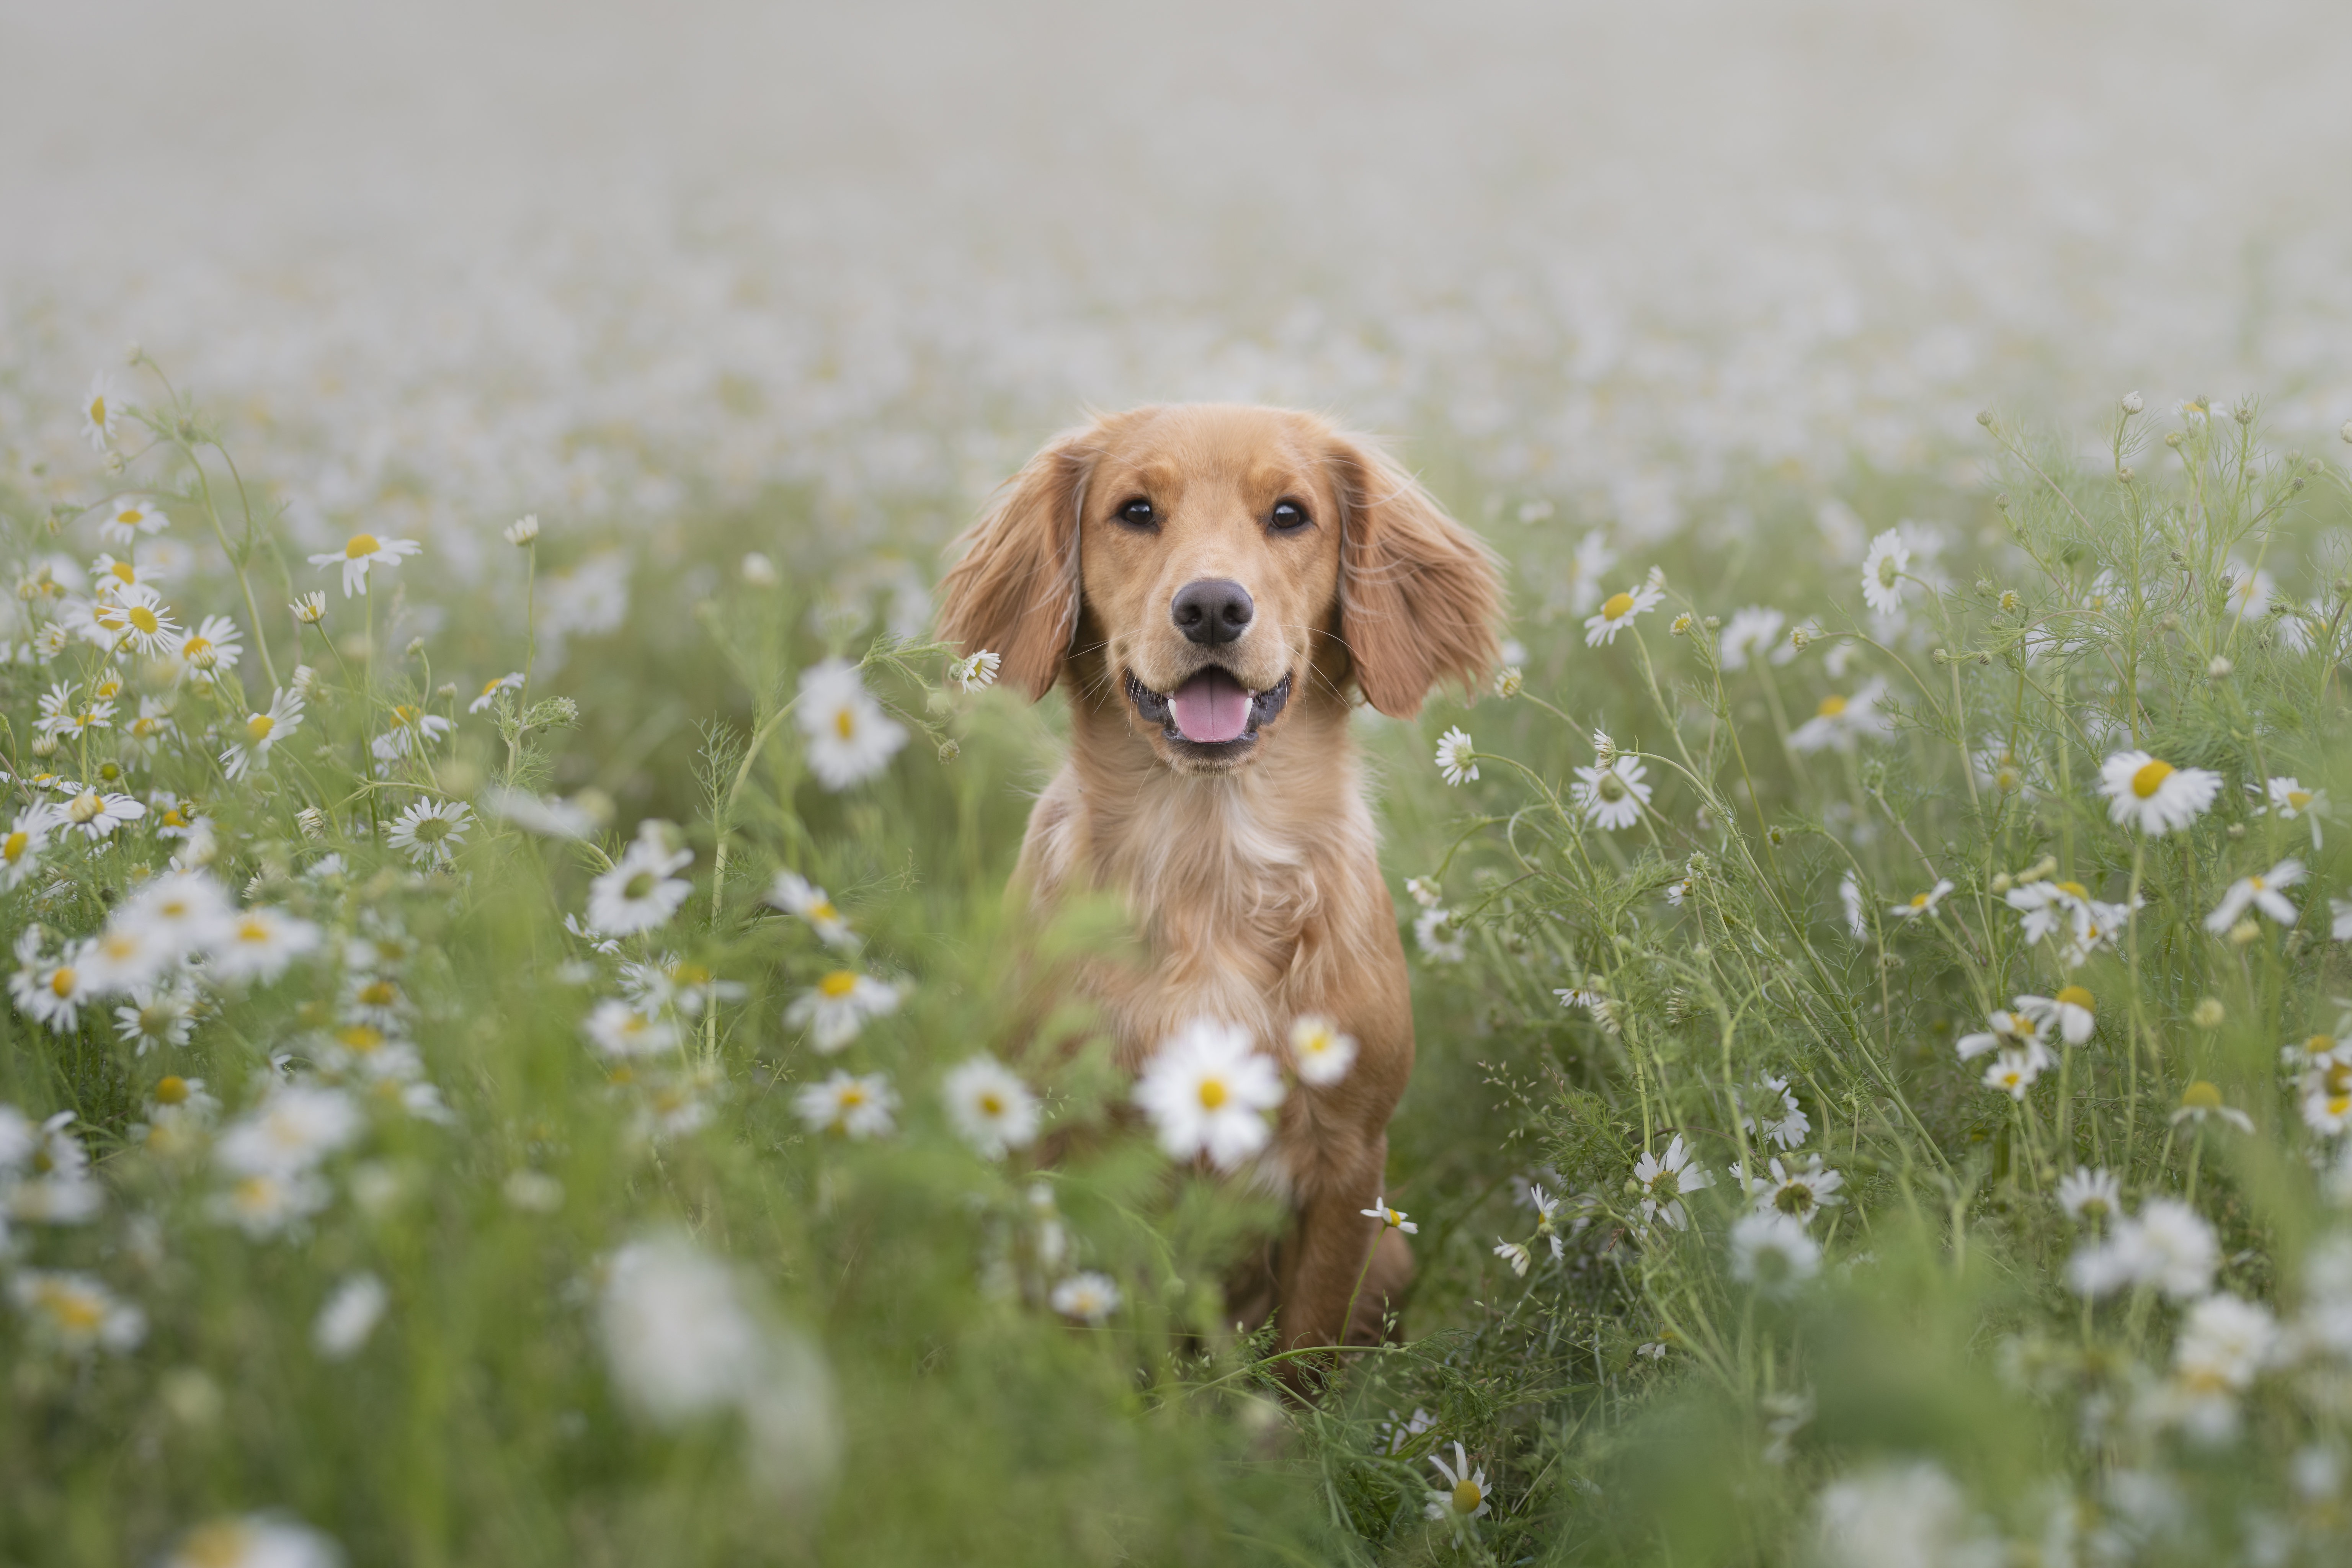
{"points": [[1288, 515], [1138, 513]]}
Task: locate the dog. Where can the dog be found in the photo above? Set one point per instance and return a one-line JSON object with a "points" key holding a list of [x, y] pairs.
{"points": [[1215, 585]]}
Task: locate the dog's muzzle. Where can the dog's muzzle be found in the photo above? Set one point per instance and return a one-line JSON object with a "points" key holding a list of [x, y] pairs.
{"points": [[1212, 709]]}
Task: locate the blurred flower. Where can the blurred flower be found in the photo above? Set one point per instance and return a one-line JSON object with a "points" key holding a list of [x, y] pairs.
{"points": [[1778, 1118], [1849, 896], [360, 551], [2203, 1098], [2014, 1072], [1207, 1092], [2090, 1194], [294, 1127], [618, 1029], [101, 415], [540, 814], [260, 943], [429, 830], [1909, 1514], [1090, 1297], [1750, 633], [348, 1316], [27, 835], [126, 518], [1882, 570], [76, 1313], [2290, 800], [256, 1541], [641, 890], [795, 894], [522, 531], [2166, 1245], [48, 990], [1664, 1179], [2018, 1031], [1838, 722], [850, 1106], [991, 1106], [850, 738], [1921, 904], [1798, 1191], [263, 731], [1773, 1252], [1440, 936], [2261, 893], [1319, 1052], [2073, 1012], [837, 1007], [1458, 760], [1514, 1254], [2154, 796], [511, 682]]}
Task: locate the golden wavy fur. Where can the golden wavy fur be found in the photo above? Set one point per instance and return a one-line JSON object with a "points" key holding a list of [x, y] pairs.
{"points": [[1249, 867]]}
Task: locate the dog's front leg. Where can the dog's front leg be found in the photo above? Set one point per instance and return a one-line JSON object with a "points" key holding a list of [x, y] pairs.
{"points": [[1342, 1266]]}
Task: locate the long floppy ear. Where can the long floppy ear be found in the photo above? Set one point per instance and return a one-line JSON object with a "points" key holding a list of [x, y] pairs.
{"points": [[1419, 594], [1016, 589]]}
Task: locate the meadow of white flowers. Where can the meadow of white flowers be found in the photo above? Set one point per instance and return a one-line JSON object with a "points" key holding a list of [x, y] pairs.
{"points": [[509, 1051]]}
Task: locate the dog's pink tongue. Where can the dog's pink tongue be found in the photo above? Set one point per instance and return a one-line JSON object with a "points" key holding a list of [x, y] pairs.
{"points": [[1211, 708]]}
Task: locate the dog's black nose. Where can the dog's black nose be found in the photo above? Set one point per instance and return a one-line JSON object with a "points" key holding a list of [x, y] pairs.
{"points": [[1213, 610]]}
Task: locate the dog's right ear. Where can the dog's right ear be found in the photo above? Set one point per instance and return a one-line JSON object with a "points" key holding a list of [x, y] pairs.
{"points": [[1016, 589]]}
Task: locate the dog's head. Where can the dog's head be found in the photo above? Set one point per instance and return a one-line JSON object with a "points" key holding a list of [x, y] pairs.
{"points": [[1211, 563]]}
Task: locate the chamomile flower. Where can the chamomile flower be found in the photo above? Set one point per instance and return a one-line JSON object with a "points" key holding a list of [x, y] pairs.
{"points": [[1439, 935], [2001, 767], [642, 891], [124, 518], [259, 944], [2014, 1072], [1664, 1178], [407, 728], [309, 609], [263, 731], [429, 830], [795, 894], [1801, 1192], [1849, 896], [2073, 1012], [145, 623], [2154, 796], [1773, 1252], [2005, 1031], [76, 1313], [2290, 800], [1514, 1254], [1391, 1219], [2258, 892], [2202, 1099], [522, 531], [2166, 1245], [2326, 1099], [2088, 1194], [1883, 572], [97, 813], [1207, 1091], [975, 672], [21, 846], [48, 990], [1457, 759], [1089, 1297], [269, 1202], [1778, 1118], [64, 713], [360, 553], [1465, 1497], [849, 738], [838, 1008], [144, 736], [849, 1105], [1617, 611], [125, 955], [1319, 1052], [1613, 794], [1921, 904], [295, 1127], [511, 682], [619, 1029], [1840, 721], [1750, 633], [348, 1316], [163, 1015], [101, 415], [190, 908], [991, 1106]]}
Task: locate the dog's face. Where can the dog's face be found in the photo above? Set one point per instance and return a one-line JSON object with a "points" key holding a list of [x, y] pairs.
{"points": [[1211, 564]]}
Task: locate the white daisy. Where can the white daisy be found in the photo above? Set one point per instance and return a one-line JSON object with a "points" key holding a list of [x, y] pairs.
{"points": [[2261, 893], [2001, 768], [2201, 1099], [850, 739], [269, 1202], [95, 813], [76, 1313], [260, 943], [263, 731], [407, 728], [309, 609], [2326, 1099], [797, 895], [1800, 1192], [1458, 760], [294, 1128], [2086, 1193], [641, 891], [143, 737], [2290, 800], [125, 955], [1750, 633], [145, 623], [522, 531], [511, 682], [1514, 1254], [2166, 1245], [101, 415], [1617, 611], [1839, 721], [190, 908], [1319, 1052], [123, 520], [48, 990], [1664, 1178], [1849, 896], [20, 848], [1773, 1252], [348, 1316], [1440, 936], [2154, 796], [975, 672], [1613, 794], [64, 713], [618, 1029], [850, 1106], [1391, 1219], [163, 1015], [1207, 1092], [991, 1106], [1778, 1118], [1921, 904], [1465, 1496], [837, 1007], [360, 551], [2005, 1031], [2014, 1072], [540, 814], [1882, 570], [1089, 1297], [2073, 1011], [429, 830]]}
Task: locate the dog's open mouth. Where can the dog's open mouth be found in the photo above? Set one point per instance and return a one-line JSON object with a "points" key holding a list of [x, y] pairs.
{"points": [[1212, 709]]}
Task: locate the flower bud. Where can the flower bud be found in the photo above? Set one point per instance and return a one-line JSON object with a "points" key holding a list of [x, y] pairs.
{"points": [[2134, 403], [759, 571], [45, 746], [2219, 668], [311, 821], [523, 532], [2210, 1014], [949, 751]]}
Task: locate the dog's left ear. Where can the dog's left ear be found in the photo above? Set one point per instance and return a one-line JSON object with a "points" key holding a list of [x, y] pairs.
{"points": [[1419, 595]]}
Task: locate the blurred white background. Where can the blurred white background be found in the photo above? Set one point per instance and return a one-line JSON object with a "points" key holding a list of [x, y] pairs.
{"points": [[463, 260]]}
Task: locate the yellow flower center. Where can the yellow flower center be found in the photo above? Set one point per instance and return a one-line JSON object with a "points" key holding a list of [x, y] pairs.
{"points": [[403, 714], [254, 931], [360, 544], [2201, 1096], [2340, 1079], [258, 728], [852, 1097], [379, 993], [838, 985], [198, 651], [172, 1090], [119, 944], [2320, 1045], [1832, 706], [1466, 1496], [2074, 890], [992, 1104], [1212, 1093], [75, 1311], [360, 1037], [13, 848], [62, 980], [85, 807], [2296, 799], [1615, 610], [98, 411], [2077, 997], [125, 570], [494, 685], [2150, 778], [127, 518], [845, 724], [690, 974], [1919, 900], [144, 621]]}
